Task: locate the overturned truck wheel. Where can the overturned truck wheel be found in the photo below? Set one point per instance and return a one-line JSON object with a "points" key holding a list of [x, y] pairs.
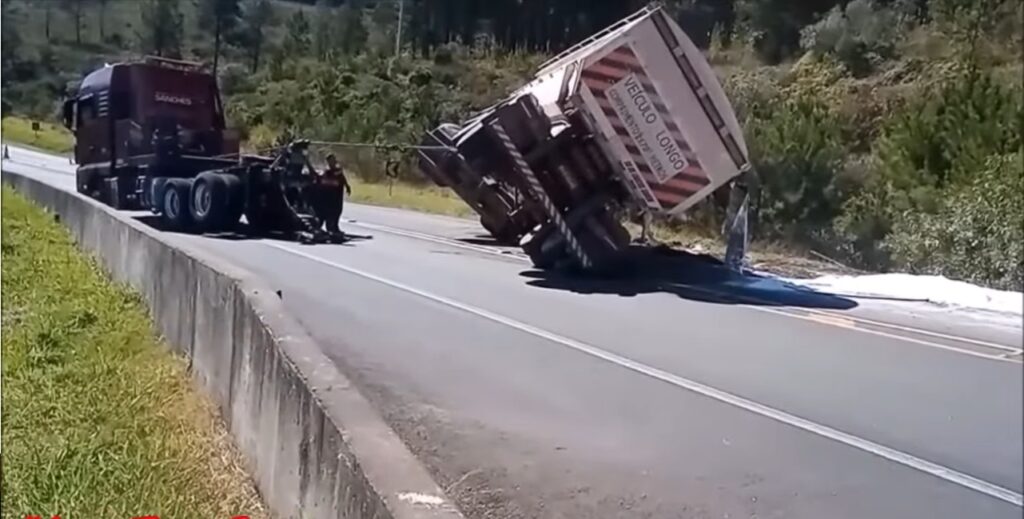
{"points": [[502, 233], [601, 237]]}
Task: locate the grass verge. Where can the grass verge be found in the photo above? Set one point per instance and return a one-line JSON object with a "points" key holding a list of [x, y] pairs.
{"points": [[427, 199], [50, 137], [99, 419]]}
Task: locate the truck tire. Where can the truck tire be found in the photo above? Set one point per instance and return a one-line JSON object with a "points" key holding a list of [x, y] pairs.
{"points": [[119, 193], [503, 234], [543, 258], [156, 194], [208, 202], [258, 219], [84, 184], [236, 200], [174, 205]]}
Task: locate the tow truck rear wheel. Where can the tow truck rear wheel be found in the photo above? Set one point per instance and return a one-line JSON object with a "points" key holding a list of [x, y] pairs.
{"points": [[174, 204], [236, 200], [209, 203]]}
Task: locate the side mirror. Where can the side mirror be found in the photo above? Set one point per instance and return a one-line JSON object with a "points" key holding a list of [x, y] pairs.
{"points": [[69, 113]]}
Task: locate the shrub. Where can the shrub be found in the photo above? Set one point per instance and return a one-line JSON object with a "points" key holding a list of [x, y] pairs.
{"points": [[234, 78], [798, 144], [927, 152], [860, 36], [976, 233], [798, 153], [946, 137], [772, 27]]}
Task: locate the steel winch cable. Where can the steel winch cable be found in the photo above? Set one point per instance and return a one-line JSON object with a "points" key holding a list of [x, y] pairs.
{"points": [[382, 146]]}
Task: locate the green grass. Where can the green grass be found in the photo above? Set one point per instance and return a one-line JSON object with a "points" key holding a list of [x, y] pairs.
{"points": [[50, 137], [100, 420], [427, 199]]}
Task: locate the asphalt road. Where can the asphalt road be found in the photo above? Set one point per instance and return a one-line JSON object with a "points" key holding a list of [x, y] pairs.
{"points": [[681, 393]]}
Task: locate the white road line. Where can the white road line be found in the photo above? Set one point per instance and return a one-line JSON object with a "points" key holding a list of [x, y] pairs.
{"points": [[868, 446], [919, 331], [953, 349], [436, 239], [818, 318]]}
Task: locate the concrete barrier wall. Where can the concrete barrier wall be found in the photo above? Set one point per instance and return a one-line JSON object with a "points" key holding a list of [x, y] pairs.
{"points": [[312, 443]]}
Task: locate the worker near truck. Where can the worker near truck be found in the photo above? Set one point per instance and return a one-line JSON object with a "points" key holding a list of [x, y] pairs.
{"points": [[332, 186]]}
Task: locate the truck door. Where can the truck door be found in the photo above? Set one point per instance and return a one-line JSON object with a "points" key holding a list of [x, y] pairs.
{"points": [[92, 143], [85, 134]]}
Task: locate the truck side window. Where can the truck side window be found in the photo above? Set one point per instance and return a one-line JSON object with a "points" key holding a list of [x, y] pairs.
{"points": [[86, 111], [69, 113]]}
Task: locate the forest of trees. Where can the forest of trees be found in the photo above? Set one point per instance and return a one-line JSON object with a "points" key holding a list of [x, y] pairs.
{"points": [[771, 27]]}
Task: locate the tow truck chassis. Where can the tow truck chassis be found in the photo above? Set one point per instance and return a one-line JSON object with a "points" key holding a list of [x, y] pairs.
{"points": [[197, 194]]}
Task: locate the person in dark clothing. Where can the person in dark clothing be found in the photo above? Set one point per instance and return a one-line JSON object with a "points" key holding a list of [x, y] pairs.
{"points": [[333, 186]]}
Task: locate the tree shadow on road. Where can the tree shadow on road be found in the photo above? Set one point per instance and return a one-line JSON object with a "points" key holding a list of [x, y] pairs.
{"points": [[690, 276]]}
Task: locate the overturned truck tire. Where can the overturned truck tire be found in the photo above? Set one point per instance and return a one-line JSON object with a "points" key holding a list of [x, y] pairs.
{"points": [[602, 239], [503, 234]]}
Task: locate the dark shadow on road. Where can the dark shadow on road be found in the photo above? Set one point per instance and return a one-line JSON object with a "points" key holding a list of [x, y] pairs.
{"points": [[485, 241], [690, 276], [243, 232]]}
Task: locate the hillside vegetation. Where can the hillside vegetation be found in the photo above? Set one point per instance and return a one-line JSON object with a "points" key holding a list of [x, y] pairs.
{"points": [[887, 134]]}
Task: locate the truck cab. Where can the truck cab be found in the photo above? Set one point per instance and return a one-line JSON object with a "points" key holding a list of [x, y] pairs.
{"points": [[152, 114]]}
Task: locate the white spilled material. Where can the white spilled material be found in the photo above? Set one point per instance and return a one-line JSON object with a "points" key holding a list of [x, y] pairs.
{"points": [[934, 289], [416, 498]]}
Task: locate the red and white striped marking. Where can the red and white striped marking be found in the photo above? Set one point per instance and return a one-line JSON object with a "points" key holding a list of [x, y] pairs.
{"points": [[609, 70]]}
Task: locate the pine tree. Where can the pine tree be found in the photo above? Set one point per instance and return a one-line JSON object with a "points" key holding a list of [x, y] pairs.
{"points": [[384, 19], [74, 8], [351, 27], [296, 39], [10, 38], [257, 16], [221, 17], [103, 19], [162, 28], [324, 38]]}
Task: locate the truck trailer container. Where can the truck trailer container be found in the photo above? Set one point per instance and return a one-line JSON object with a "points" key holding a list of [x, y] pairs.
{"points": [[631, 119]]}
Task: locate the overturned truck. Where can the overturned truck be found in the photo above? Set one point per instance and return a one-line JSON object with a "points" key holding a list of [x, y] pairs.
{"points": [[631, 120]]}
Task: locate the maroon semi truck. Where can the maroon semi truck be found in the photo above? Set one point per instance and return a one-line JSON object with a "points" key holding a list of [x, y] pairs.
{"points": [[151, 134]]}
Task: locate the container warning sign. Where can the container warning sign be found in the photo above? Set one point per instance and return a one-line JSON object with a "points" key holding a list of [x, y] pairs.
{"points": [[640, 116]]}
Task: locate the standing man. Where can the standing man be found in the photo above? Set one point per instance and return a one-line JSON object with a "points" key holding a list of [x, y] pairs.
{"points": [[333, 188]]}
